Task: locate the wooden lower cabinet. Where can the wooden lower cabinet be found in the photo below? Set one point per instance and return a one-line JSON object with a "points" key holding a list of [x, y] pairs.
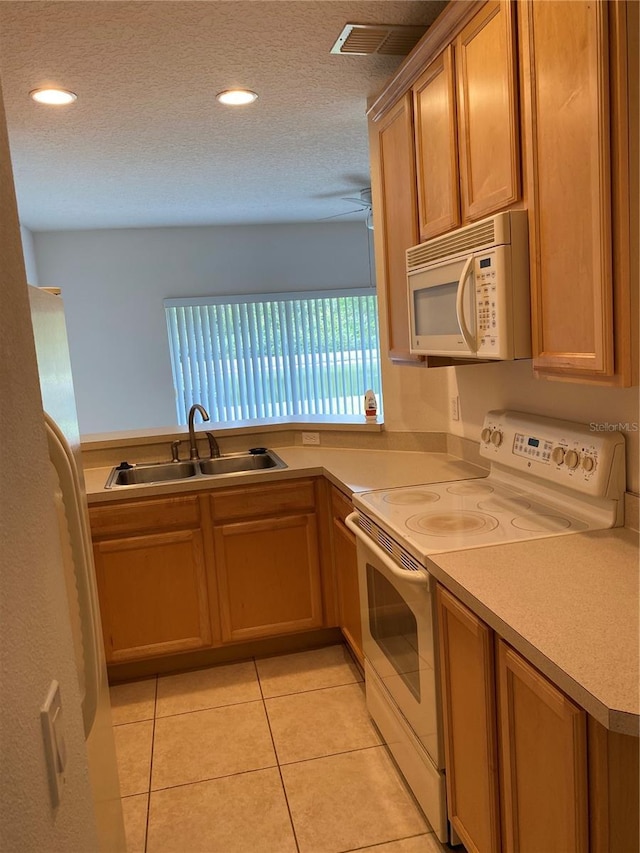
{"points": [[199, 570], [614, 790], [468, 697], [267, 558], [268, 577], [152, 581], [543, 739], [345, 564], [556, 782]]}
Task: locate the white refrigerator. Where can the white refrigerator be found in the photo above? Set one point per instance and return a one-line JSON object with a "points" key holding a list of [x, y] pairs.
{"points": [[58, 401]]}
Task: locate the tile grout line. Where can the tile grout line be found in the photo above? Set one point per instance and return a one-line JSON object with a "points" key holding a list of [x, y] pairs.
{"points": [[213, 778], [154, 719], [208, 708], [277, 765], [234, 704], [332, 754], [314, 689], [153, 737], [392, 841], [275, 752]]}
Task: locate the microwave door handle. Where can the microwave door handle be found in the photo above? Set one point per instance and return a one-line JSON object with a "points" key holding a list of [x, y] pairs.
{"points": [[466, 334], [417, 578]]}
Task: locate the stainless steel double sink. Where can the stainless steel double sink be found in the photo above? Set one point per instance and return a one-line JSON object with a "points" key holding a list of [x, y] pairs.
{"points": [[221, 466]]}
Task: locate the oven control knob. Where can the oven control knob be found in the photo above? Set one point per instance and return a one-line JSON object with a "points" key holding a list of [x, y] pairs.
{"points": [[588, 463], [485, 435], [557, 455], [571, 459], [496, 438]]}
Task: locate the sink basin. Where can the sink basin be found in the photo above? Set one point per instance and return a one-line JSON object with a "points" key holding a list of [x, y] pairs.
{"points": [[157, 472], [236, 463], [162, 472]]}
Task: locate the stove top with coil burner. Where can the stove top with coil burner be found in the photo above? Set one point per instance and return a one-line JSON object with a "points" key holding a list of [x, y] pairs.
{"points": [[547, 478]]}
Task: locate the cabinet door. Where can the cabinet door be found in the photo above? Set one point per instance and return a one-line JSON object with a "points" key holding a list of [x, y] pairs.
{"points": [[468, 694], [489, 142], [543, 741], [153, 594], [346, 569], [395, 216], [567, 125], [434, 107], [268, 577]]}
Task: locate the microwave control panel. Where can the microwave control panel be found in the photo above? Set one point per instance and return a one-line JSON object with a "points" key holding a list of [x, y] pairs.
{"points": [[491, 307]]}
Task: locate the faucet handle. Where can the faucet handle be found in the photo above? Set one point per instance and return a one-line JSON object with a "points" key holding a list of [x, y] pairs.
{"points": [[214, 449], [175, 453]]}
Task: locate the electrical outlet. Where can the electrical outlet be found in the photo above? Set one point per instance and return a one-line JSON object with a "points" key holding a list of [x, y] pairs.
{"points": [[455, 408], [311, 438]]}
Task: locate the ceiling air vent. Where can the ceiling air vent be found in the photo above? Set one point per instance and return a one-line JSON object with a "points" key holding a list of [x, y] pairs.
{"points": [[385, 39]]}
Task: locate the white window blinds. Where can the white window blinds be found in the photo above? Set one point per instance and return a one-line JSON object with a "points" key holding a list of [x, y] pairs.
{"points": [[274, 355]]}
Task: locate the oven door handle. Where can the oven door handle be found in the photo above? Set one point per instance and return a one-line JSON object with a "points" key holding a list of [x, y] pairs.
{"points": [[417, 578]]}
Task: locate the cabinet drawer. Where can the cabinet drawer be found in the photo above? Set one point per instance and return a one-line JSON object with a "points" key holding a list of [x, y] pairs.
{"points": [[259, 500], [175, 513], [341, 506]]}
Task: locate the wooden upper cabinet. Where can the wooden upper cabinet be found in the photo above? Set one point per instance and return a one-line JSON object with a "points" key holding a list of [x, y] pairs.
{"points": [[467, 143], [393, 183], [434, 107], [488, 137], [574, 61]]}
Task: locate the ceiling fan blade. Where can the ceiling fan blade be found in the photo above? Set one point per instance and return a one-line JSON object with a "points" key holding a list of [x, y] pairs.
{"points": [[337, 215], [364, 204]]}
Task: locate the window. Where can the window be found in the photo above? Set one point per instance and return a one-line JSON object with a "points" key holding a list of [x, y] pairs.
{"points": [[277, 355]]}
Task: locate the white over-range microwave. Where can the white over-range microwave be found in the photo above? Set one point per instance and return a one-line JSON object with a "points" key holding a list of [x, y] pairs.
{"points": [[469, 291]]}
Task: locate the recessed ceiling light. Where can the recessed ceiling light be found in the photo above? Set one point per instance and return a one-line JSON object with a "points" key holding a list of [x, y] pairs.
{"points": [[57, 97], [237, 97]]}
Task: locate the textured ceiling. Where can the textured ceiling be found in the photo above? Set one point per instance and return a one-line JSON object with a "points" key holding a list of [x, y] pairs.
{"points": [[146, 144]]}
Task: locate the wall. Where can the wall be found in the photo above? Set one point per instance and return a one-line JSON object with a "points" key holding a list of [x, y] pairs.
{"points": [[28, 252], [35, 638], [114, 281], [425, 394], [113, 284]]}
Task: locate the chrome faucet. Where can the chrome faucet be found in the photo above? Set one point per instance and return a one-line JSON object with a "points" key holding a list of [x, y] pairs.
{"points": [[193, 446]]}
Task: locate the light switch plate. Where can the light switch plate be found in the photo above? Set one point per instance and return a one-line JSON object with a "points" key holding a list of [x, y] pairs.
{"points": [[455, 408], [54, 741]]}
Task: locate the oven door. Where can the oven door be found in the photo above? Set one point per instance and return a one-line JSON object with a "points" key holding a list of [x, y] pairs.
{"points": [[397, 636], [442, 308]]}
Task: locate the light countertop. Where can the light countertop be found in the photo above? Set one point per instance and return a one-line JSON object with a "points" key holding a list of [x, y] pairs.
{"points": [[351, 470], [570, 605]]}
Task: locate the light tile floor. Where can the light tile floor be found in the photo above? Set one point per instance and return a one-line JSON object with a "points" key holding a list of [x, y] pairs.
{"points": [[275, 755]]}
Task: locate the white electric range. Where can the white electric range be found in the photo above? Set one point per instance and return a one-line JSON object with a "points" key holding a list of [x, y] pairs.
{"points": [[546, 478]]}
